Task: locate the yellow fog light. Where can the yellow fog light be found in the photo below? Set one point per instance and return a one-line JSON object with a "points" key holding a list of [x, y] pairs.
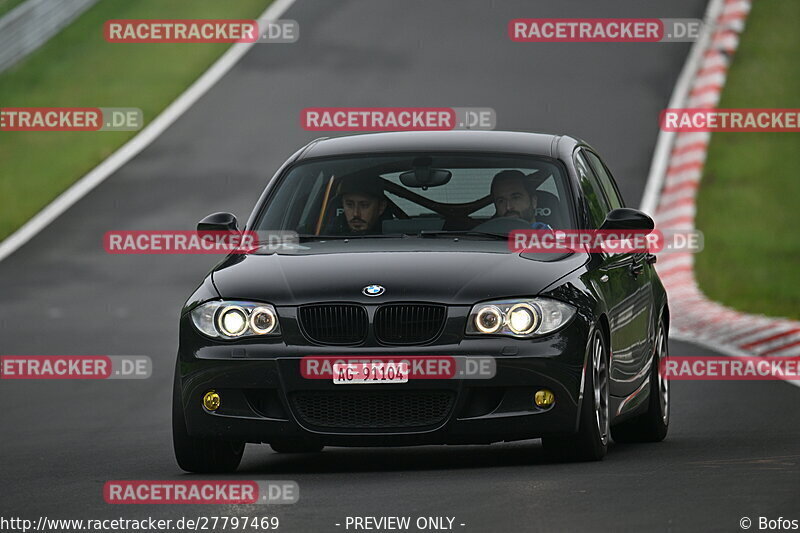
{"points": [[544, 398], [211, 400]]}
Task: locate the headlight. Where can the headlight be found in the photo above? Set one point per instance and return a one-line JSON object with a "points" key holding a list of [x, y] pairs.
{"points": [[233, 320], [489, 319], [522, 318], [263, 320], [519, 318]]}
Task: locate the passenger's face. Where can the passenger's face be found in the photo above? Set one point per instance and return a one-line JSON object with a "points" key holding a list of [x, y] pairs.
{"points": [[362, 211], [512, 200]]}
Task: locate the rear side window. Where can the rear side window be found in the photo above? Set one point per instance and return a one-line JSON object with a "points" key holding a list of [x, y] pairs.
{"points": [[592, 192], [605, 180]]}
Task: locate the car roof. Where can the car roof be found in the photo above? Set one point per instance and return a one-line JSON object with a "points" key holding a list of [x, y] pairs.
{"points": [[508, 142]]}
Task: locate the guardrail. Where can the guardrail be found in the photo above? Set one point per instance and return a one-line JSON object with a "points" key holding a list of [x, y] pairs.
{"points": [[29, 25]]}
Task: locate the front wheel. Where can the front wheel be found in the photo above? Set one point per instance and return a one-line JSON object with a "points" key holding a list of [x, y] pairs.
{"points": [[201, 455], [590, 443]]}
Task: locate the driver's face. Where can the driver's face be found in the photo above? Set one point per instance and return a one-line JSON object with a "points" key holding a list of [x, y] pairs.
{"points": [[512, 200], [362, 211]]}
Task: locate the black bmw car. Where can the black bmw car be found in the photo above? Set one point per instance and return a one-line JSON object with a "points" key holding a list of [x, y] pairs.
{"points": [[398, 252]]}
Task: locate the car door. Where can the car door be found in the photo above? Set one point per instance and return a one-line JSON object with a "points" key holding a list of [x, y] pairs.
{"points": [[624, 283]]}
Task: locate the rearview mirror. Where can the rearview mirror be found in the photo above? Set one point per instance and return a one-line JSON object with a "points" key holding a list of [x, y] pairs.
{"points": [[218, 222], [625, 218], [424, 176]]}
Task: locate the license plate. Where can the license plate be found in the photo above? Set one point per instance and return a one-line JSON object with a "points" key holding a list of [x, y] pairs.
{"points": [[369, 373]]}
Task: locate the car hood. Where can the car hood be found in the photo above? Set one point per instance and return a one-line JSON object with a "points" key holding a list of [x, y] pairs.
{"points": [[433, 275]]}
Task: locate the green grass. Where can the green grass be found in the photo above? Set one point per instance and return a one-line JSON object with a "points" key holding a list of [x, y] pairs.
{"points": [[8, 5], [750, 193], [78, 68]]}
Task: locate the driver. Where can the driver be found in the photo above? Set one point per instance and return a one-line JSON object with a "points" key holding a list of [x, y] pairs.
{"points": [[514, 195], [364, 203]]}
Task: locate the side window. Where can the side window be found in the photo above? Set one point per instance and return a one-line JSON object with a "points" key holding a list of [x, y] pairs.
{"points": [[605, 180], [598, 206]]}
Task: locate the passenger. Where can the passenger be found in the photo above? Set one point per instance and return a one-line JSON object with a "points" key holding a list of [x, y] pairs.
{"points": [[514, 195]]}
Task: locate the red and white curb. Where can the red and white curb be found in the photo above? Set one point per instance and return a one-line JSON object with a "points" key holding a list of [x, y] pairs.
{"points": [[672, 188]]}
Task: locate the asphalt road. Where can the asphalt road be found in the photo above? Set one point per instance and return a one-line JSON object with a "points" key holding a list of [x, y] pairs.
{"points": [[733, 446]]}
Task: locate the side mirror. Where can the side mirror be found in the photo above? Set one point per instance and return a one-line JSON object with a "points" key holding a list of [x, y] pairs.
{"points": [[626, 218], [218, 222]]}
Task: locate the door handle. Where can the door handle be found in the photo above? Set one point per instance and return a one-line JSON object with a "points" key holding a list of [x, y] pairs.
{"points": [[637, 267]]}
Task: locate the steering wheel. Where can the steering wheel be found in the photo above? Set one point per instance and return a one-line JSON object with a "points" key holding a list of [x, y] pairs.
{"points": [[502, 225]]}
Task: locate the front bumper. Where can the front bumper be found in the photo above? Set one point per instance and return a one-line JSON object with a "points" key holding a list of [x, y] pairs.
{"points": [[263, 392]]}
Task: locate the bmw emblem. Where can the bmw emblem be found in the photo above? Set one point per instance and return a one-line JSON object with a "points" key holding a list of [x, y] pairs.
{"points": [[373, 290]]}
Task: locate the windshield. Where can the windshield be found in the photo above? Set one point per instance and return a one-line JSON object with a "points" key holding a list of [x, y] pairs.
{"points": [[428, 195]]}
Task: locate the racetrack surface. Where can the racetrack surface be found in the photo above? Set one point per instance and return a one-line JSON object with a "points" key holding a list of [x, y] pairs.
{"points": [[733, 447]]}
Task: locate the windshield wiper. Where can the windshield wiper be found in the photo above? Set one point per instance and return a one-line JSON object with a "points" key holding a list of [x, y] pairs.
{"points": [[463, 233]]}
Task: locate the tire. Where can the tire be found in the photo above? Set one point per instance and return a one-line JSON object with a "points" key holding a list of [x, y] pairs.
{"points": [[590, 443], [653, 425], [201, 455], [296, 447]]}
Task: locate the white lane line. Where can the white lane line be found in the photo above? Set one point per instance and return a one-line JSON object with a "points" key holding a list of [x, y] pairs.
{"points": [[130, 149], [658, 167]]}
